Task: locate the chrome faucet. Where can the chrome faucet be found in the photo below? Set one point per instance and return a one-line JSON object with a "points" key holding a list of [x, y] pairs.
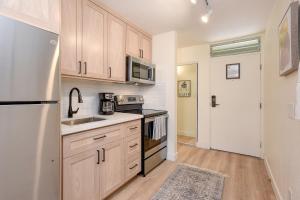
{"points": [[71, 112]]}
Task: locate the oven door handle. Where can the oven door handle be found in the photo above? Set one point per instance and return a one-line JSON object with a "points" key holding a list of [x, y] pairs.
{"points": [[151, 119]]}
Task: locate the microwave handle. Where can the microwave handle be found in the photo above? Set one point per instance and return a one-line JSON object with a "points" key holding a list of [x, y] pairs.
{"points": [[151, 74]]}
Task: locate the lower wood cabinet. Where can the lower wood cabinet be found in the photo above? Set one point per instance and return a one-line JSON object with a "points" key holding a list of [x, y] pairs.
{"points": [[81, 178], [112, 167], [96, 163]]}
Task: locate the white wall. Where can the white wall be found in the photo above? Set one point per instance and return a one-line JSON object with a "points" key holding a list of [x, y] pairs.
{"points": [[160, 96], [89, 91], [164, 56], [201, 55], [282, 134], [187, 106]]}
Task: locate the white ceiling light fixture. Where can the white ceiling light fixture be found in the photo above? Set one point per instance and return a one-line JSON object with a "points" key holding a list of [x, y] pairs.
{"points": [[194, 1], [205, 17]]}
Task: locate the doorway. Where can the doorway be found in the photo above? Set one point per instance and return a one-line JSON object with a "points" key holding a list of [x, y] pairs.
{"points": [[187, 104], [236, 104]]}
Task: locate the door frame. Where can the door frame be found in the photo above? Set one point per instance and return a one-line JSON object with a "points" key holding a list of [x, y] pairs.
{"points": [[197, 113], [261, 97]]}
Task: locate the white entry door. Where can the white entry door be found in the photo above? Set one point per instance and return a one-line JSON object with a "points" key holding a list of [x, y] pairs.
{"points": [[235, 122]]}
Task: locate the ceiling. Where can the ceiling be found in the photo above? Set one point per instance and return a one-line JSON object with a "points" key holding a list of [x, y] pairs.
{"points": [[230, 18]]}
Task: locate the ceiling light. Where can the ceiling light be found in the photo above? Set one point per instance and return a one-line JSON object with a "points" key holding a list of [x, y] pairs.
{"points": [[205, 18], [194, 1]]}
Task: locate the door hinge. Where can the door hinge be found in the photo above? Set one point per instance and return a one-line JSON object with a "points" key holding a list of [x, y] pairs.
{"points": [[260, 144], [260, 67], [260, 105]]}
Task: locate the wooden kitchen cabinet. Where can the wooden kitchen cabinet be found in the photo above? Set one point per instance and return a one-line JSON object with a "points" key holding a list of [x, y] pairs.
{"points": [[116, 48], [112, 167], [99, 161], [133, 42], [146, 47], [70, 37], [83, 39], [94, 41], [138, 45], [81, 178], [44, 14]]}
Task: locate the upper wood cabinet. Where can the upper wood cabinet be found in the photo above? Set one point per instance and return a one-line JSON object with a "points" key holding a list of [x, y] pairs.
{"points": [[133, 42], [83, 39], [70, 37], [146, 48], [41, 13], [94, 41], [116, 48], [138, 45]]}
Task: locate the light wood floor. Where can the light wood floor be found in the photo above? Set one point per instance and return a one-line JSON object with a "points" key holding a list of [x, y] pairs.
{"points": [[186, 140], [246, 176]]}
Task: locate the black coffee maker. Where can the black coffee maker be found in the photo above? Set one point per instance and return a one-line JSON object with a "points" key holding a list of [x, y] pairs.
{"points": [[106, 104]]}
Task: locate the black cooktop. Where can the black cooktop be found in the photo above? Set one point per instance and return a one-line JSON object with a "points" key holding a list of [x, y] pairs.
{"points": [[146, 112], [150, 112]]}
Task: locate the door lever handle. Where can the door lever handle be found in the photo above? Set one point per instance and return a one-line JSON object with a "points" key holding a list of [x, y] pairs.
{"points": [[214, 101]]}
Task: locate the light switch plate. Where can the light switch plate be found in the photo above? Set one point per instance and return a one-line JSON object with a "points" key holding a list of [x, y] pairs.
{"points": [[291, 111]]}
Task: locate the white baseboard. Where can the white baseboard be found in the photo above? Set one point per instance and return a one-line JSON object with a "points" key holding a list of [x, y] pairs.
{"points": [[203, 145], [273, 182], [186, 133], [172, 156]]}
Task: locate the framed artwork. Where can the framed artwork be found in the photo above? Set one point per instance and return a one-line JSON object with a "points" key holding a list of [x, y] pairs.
{"points": [[184, 88], [289, 40], [233, 71]]}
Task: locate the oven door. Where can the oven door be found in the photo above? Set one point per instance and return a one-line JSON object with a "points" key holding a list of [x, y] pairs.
{"points": [[139, 72], [152, 145]]}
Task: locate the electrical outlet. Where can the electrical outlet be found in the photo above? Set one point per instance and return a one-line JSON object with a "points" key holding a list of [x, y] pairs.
{"points": [[290, 197]]}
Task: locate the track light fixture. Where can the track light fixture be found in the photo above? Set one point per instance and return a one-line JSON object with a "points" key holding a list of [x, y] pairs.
{"points": [[205, 17]]}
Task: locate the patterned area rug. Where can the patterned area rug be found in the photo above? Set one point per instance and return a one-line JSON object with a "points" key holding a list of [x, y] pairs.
{"points": [[191, 183]]}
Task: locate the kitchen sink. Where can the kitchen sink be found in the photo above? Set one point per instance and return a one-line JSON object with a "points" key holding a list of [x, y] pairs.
{"points": [[82, 121]]}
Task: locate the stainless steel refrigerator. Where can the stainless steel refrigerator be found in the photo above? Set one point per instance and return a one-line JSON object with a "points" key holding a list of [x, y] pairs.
{"points": [[29, 112]]}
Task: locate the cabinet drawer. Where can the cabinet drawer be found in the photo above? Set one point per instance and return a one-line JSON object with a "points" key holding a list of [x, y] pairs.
{"points": [[133, 167], [133, 128], [133, 145], [77, 143]]}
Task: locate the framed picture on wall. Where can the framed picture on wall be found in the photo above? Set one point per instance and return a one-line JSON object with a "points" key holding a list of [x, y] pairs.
{"points": [[184, 88], [233, 71], [289, 40]]}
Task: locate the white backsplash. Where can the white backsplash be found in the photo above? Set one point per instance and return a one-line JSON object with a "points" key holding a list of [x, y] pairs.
{"points": [[154, 95]]}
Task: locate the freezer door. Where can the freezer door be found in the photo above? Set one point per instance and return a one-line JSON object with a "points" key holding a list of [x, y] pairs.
{"points": [[28, 63], [29, 152]]}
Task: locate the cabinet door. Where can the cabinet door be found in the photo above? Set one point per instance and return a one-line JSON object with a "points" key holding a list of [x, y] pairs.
{"points": [[70, 45], [41, 13], [116, 49], [94, 41], [146, 48], [81, 176], [112, 167], [133, 42]]}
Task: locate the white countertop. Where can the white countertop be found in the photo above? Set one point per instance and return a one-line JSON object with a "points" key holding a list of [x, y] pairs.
{"points": [[116, 118]]}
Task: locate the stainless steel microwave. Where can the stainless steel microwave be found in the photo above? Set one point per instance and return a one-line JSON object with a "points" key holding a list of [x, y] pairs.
{"points": [[139, 72]]}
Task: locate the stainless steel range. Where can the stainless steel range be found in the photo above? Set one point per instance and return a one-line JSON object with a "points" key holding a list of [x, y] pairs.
{"points": [[154, 130]]}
